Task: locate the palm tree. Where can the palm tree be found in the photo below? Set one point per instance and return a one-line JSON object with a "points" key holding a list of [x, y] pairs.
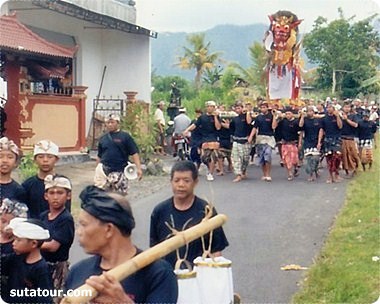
{"points": [[197, 56], [255, 74]]}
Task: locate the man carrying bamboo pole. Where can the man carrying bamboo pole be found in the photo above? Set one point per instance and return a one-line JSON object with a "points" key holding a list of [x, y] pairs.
{"points": [[183, 211], [105, 225]]}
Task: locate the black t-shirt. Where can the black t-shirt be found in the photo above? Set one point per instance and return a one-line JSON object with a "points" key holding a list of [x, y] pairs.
{"points": [[35, 199], [239, 126], [224, 138], [206, 125], [110, 150], [366, 129], [311, 129], [6, 248], [22, 275], [156, 283], [165, 212], [13, 190], [289, 129], [196, 136], [61, 229], [330, 126], [347, 130], [264, 124]]}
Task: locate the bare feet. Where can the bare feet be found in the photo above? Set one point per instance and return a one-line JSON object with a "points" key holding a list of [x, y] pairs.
{"points": [[237, 179]]}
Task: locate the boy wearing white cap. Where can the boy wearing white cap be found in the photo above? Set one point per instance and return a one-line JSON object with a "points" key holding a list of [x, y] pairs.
{"points": [[9, 157], [60, 224], [26, 269], [45, 156]]}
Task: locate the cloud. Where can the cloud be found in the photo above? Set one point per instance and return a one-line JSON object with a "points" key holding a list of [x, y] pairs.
{"points": [[199, 15]]}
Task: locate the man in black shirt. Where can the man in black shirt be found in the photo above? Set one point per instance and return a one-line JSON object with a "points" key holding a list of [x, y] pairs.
{"points": [[104, 229], [241, 148], [183, 211], [264, 127], [350, 153], [310, 126], [114, 149], [367, 129], [331, 131], [288, 129], [208, 125]]}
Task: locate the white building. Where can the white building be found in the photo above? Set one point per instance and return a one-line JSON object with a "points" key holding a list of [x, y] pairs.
{"points": [[107, 36]]}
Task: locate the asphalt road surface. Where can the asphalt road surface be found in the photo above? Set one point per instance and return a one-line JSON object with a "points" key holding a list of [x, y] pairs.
{"points": [[271, 224]]}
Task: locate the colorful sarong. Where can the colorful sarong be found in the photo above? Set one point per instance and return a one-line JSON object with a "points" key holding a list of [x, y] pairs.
{"points": [[333, 162], [350, 154], [289, 155], [366, 156]]}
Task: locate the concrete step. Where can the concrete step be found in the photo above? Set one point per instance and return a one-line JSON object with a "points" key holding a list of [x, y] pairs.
{"points": [[73, 158]]}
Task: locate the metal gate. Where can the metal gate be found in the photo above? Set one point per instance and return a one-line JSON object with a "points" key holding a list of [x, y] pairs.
{"points": [[101, 109]]}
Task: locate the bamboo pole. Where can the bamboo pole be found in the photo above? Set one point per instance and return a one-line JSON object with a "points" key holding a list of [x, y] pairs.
{"points": [[148, 256]]}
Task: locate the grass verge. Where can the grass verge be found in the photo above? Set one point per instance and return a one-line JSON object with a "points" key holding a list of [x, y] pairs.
{"points": [[344, 272]]}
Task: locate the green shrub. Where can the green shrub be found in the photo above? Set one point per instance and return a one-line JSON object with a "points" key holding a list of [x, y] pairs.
{"points": [[140, 125], [27, 166]]}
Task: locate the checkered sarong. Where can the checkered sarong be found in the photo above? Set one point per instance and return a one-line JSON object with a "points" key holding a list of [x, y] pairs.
{"points": [[240, 157]]}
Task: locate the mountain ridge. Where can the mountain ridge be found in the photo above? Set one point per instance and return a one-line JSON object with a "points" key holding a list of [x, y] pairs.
{"points": [[232, 40]]}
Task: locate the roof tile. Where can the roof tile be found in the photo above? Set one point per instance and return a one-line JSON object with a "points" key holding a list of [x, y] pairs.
{"points": [[14, 35]]}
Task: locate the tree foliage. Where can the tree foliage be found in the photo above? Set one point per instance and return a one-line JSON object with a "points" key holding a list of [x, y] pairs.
{"points": [[346, 52], [254, 75], [198, 56]]}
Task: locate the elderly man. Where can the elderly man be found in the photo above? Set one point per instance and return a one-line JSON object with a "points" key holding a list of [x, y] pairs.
{"points": [[105, 226], [114, 149]]}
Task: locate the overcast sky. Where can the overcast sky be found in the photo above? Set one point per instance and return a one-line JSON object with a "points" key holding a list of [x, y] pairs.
{"points": [[199, 15]]}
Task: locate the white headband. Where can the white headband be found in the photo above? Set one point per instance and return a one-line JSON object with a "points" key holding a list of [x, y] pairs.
{"points": [[27, 230], [57, 181], [45, 147]]}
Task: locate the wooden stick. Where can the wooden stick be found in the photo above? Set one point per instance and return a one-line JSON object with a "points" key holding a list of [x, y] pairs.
{"points": [[148, 256]]}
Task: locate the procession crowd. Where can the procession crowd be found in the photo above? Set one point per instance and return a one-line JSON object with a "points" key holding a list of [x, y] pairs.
{"points": [[341, 133], [37, 228]]}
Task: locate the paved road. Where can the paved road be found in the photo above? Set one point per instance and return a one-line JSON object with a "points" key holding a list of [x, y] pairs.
{"points": [[270, 225]]}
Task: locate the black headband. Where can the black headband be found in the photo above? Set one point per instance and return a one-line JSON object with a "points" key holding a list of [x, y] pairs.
{"points": [[99, 204]]}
